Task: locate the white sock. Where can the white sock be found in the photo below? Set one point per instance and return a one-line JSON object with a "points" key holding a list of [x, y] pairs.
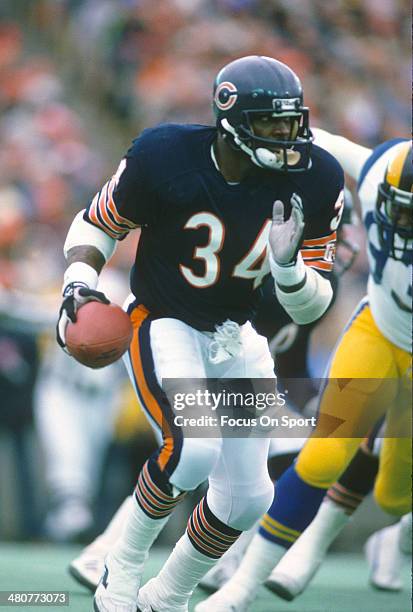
{"points": [[325, 527], [304, 557], [137, 536], [260, 558], [181, 573]]}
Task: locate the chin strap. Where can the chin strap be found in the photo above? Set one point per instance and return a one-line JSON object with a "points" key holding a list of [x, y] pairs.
{"points": [[270, 159], [263, 158]]}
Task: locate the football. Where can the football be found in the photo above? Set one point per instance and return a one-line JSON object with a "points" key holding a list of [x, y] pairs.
{"points": [[100, 336]]}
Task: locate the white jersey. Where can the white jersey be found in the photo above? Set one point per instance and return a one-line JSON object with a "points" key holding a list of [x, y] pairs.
{"points": [[389, 286]]}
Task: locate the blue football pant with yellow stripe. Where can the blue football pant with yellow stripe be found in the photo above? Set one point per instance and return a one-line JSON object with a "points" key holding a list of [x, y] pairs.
{"points": [[369, 377]]}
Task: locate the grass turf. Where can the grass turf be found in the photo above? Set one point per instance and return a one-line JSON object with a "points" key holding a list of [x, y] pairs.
{"points": [[340, 586]]}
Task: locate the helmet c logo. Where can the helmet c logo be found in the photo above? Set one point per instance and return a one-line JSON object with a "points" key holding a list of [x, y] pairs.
{"points": [[226, 95]]}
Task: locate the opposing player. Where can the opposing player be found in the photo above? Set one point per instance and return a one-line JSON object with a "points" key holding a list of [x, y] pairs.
{"points": [[376, 347], [204, 198]]}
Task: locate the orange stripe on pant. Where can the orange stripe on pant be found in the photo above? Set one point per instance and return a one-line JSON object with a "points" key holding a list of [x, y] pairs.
{"points": [[138, 316]]}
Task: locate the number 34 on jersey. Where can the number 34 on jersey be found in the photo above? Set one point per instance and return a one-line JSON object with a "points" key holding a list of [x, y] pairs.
{"points": [[253, 266]]}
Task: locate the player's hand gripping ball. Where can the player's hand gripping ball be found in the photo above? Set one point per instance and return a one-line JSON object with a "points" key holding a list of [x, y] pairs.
{"points": [[100, 335]]}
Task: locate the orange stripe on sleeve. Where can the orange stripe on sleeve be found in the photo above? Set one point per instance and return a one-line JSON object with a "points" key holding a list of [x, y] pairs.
{"points": [[112, 207], [92, 214], [105, 216], [320, 265], [309, 253], [320, 241]]}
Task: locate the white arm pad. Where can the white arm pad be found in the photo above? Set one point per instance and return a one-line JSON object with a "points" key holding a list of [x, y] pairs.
{"points": [[350, 155], [82, 233], [308, 303]]}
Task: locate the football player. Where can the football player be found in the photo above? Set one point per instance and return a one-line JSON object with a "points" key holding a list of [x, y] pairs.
{"points": [[375, 346], [289, 345], [220, 208]]}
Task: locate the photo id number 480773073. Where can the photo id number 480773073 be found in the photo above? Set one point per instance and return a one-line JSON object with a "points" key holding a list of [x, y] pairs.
{"points": [[34, 598]]}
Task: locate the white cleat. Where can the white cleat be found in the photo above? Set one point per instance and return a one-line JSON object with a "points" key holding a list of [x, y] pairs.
{"points": [[285, 586], [148, 600], [87, 569], [118, 589], [301, 562], [294, 572], [385, 558]]}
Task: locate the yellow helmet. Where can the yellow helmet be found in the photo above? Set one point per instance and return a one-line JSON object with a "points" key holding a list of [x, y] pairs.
{"points": [[394, 206]]}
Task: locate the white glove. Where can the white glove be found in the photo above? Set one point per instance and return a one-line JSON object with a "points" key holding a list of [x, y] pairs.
{"points": [[75, 296], [285, 236]]}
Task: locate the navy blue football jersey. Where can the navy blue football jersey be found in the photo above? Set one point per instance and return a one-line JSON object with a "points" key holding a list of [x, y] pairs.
{"points": [[202, 255]]}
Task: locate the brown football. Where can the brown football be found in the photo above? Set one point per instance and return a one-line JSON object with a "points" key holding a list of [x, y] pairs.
{"points": [[100, 336]]}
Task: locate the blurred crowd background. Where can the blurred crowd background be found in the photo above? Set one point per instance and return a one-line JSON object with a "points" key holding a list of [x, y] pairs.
{"points": [[78, 80]]}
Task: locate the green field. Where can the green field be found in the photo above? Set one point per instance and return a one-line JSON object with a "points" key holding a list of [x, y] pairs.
{"points": [[340, 586]]}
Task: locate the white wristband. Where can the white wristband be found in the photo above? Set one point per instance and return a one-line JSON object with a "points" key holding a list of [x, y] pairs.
{"points": [[310, 301], [82, 273], [288, 276]]}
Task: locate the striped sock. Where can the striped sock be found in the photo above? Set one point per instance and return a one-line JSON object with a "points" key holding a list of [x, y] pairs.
{"points": [[355, 482], [345, 499], [276, 532], [155, 501], [205, 541], [208, 534], [294, 507]]}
